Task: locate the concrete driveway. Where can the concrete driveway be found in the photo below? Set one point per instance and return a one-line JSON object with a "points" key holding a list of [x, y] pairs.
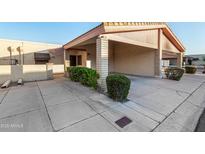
{"points": [[62, 105]]}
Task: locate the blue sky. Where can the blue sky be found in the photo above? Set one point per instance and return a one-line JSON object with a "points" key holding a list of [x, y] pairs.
{"points": [[50, 32], [191, 34]]}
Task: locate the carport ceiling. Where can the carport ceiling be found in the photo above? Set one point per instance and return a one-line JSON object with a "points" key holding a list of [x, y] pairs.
{"points": [[87, 42]]}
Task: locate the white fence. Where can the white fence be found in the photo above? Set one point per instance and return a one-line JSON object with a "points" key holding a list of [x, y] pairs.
{"points": [[29, 72], [5, 72], [35, 72], [58, 69]]}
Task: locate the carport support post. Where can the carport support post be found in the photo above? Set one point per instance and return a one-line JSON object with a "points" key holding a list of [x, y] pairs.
{"points": [[158, 55], [64, 58], [102, 61], [66, 63], [179, 59]]}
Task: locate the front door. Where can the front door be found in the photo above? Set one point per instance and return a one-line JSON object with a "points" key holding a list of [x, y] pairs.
{"points": [[73, 60]]}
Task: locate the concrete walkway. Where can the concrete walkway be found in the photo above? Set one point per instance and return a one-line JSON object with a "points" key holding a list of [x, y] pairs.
{"points": [[62, 105], [178, 104]]}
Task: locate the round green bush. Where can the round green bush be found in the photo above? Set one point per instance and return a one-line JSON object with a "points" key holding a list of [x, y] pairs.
{"points": [[190, 69], [174, 73], [84, 75], [118, 87]]}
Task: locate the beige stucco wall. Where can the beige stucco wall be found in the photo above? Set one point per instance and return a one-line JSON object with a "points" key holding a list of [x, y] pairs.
{"points": [[56, 56], [125, 58], [133, 60], [29, 48], [34, 72], [58, 68], [91, 54], [26, 72], [147, 36], [5, 71], [168, 46]]}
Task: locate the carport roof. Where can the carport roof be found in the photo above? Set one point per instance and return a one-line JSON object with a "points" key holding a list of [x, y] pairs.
{"points": [[119, 27]]}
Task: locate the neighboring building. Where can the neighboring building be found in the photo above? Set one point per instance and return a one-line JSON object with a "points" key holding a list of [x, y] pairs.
{"points": [[198, 59], [14, 52], [30, 61], [135, 48], [171, 60]]}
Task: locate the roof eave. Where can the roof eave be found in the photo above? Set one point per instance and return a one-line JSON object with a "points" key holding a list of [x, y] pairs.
{"points": [[101, 29], [85, 36], [178, 43]]}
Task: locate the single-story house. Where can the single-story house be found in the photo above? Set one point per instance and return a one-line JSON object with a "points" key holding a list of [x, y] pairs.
{"points": [[135, 48]]}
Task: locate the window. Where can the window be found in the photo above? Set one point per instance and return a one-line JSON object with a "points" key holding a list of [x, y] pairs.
{"points": [[41, 58], [75, 60], [195, 59]]}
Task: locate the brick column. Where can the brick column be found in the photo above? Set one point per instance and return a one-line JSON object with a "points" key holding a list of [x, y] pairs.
{"points": [[64, 58], [179, 59], [102, 61], [158, 55]]}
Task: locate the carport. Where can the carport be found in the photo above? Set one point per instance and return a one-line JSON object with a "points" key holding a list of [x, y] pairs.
{"points": [[134, 48]]}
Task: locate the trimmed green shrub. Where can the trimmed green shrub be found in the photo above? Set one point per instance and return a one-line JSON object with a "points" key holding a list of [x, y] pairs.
{"points": [[118, 87], [190, 69], [174, 73], [75, 73], [84, 75], [89, 78]]}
